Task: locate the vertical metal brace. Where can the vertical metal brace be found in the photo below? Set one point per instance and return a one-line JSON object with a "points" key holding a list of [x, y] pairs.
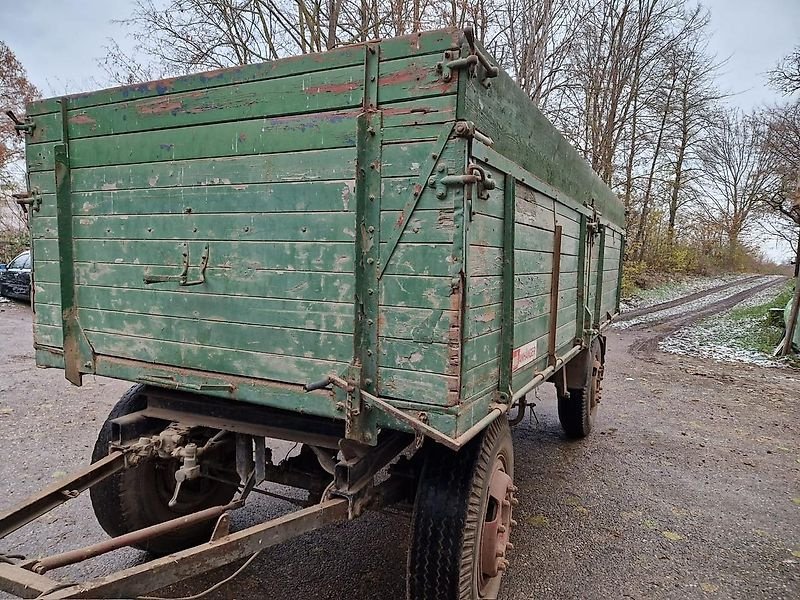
{"points": [[360, 422], [507, 306], [554, 289], [598, 293], [78, 354], [580, 316], [619, 274]]}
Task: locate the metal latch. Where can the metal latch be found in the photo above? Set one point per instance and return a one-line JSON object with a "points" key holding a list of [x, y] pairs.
{"points": [[183, 277], [25, 126], [475, 175], [32, 198]]}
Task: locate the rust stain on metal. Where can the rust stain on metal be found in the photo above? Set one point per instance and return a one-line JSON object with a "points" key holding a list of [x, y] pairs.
{"points": [[334, 88], [401, 219]]}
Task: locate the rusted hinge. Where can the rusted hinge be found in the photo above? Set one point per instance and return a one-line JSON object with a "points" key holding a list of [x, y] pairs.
{"points": [[32, 198], [27, 126]]}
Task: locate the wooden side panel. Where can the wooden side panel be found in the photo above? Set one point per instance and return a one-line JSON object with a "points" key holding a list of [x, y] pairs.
{"points": [[258, 164]]}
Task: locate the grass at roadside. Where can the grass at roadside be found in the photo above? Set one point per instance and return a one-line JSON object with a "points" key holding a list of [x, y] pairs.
{"points": [[757, 333], [742, 334]]}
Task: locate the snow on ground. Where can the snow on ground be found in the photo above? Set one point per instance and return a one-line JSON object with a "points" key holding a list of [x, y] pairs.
{"points": [[716, 339], [724, 338], [674, 290], [681, 309]]}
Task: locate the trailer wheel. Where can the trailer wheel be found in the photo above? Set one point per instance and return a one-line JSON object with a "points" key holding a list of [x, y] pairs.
{"points": [[462, 519], [138, 497], [578, 407]]}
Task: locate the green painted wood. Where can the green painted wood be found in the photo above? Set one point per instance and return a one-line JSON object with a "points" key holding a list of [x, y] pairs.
{"points": [[246, 363], [294, 133], [298, 196], [272, 188], [414, 355], [195, 330], [296, 95], [415, 386], [232, 76], [519, 130]]}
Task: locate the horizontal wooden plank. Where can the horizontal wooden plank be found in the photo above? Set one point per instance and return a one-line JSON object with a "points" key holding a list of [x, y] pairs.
{"points": [[421, 324], [219, 78], [295, 133], [436, 109], [415, 386], [413, 355], [47, 335], [196, 330], [429, 226], [415, 77], [481, 378], [432, 292], [297, 196], [335, 164], [212, 358], [333, 317], [484, 319]]}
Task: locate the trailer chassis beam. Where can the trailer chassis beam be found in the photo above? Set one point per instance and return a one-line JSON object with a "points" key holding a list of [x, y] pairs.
{"points": [[60, 492]]}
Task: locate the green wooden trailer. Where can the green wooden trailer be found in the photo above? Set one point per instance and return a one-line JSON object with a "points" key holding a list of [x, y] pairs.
{"points": [[375, 251]]}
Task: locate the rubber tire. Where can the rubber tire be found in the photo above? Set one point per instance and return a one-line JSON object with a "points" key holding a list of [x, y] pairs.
{"points": [[575, 409], [129, 500], [451, 499]]}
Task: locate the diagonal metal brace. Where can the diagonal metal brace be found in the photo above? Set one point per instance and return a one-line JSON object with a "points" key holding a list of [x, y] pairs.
{"points": [[425, 173]]}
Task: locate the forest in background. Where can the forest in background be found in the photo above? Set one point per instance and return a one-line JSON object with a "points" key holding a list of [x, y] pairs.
{"points": [[630, 83]]}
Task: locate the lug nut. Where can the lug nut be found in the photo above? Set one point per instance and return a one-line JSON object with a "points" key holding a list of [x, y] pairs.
{"points": [[501, 528], [500, 553], [509, 546], [514, 502], [513, 523]]}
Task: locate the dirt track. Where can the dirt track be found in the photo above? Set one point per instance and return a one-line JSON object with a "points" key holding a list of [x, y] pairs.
{"points": [[688, 488]]}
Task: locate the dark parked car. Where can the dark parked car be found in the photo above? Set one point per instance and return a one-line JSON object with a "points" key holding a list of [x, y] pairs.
{"points": [[15, 277]]}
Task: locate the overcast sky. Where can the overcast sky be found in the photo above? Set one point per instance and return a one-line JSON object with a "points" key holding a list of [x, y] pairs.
{"points": [[60, 42]]}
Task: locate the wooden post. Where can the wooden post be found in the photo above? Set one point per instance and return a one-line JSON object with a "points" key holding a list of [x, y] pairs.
{"points": [[792, 324]]}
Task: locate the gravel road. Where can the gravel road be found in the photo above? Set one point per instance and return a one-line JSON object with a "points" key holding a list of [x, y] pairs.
{"points": [[688, 488]]}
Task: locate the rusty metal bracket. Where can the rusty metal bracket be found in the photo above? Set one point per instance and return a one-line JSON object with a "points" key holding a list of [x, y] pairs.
{"points": [[489, 70], [467, 129], [33, 198], [418, 425], [452, 63], [27, 126], [183, 277]]}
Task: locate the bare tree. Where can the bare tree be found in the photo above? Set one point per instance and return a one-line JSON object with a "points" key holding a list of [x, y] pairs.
{"points": [[15, 92], [738, 174], [785, 77]]}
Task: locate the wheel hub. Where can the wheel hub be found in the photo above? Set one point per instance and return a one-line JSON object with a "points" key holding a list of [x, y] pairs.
{"points": [[497, 524]]}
